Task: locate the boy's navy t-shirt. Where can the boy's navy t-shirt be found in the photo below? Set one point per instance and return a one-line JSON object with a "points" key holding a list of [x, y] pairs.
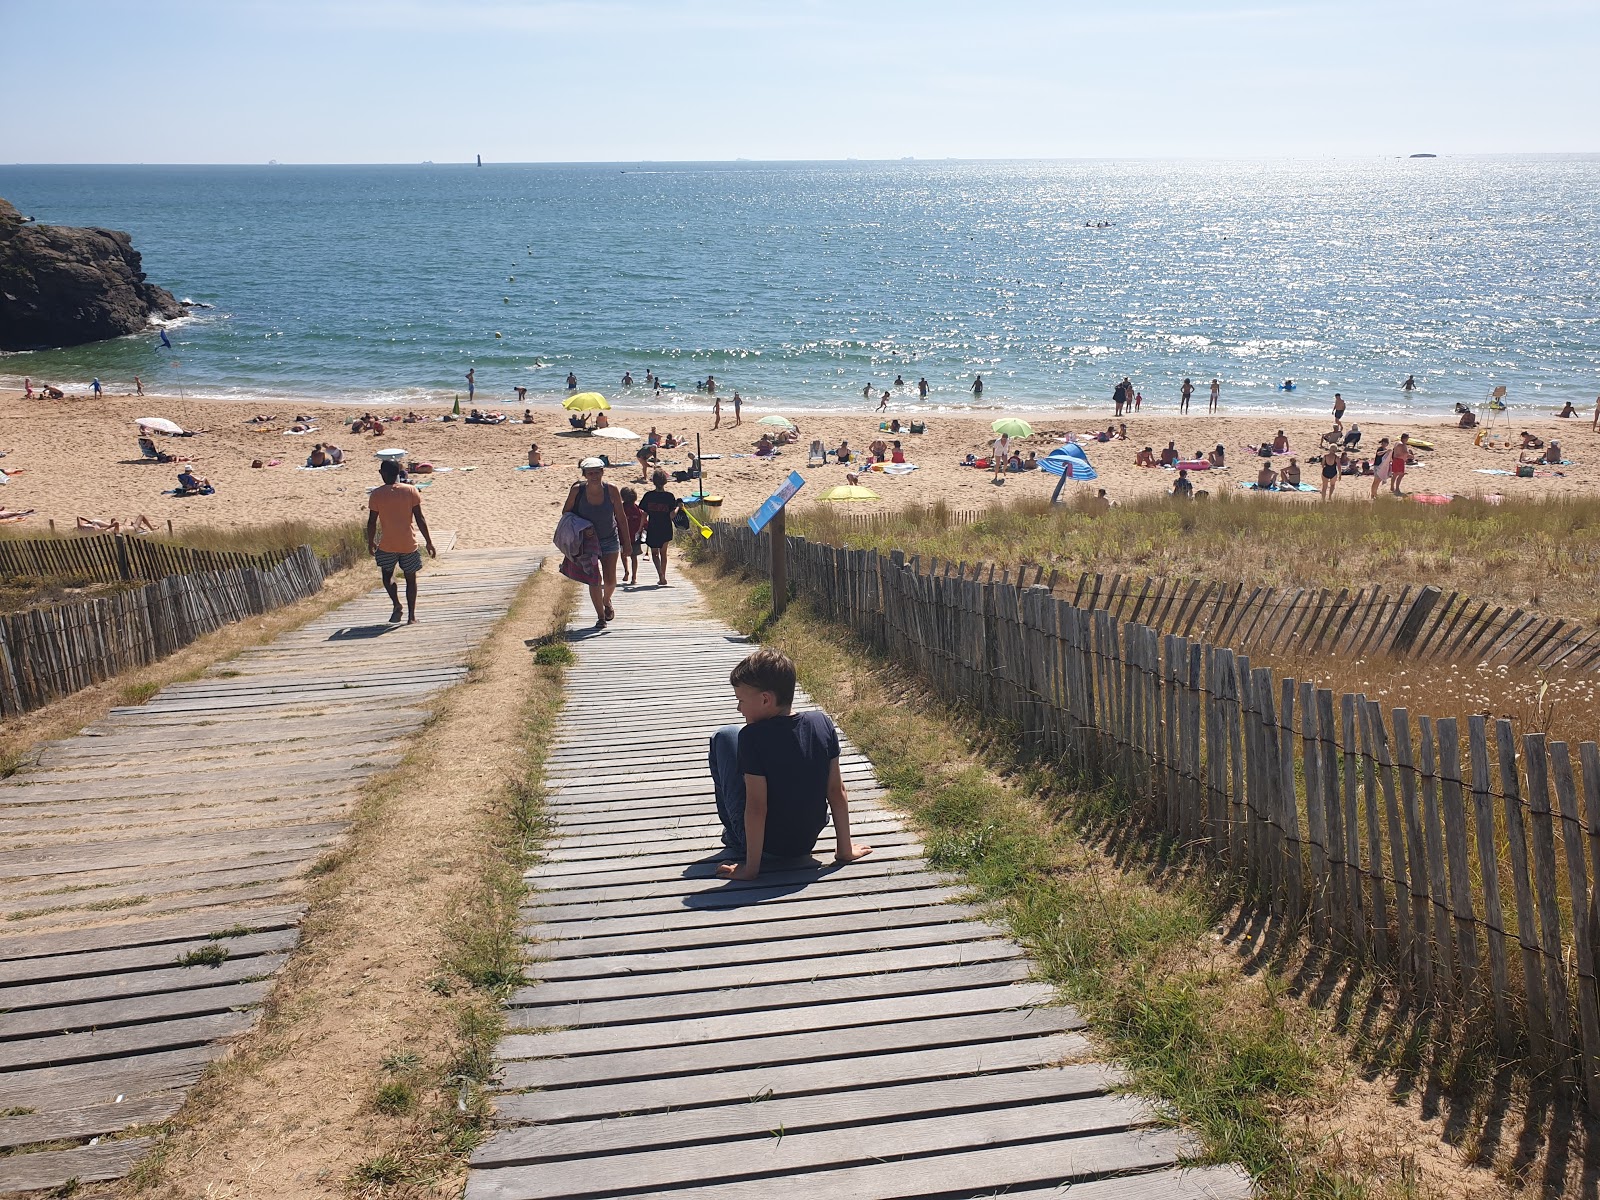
{"points": [[793, 753]]}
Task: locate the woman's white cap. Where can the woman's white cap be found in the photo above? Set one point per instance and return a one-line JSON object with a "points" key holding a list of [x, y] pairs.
{"points": [[592, 464]]}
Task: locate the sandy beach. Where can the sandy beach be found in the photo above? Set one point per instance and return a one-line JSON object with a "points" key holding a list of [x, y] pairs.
{"points": [[80, 456]]}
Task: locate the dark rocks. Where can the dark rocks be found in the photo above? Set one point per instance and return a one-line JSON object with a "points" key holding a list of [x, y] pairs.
{"points": [[61, 286]]}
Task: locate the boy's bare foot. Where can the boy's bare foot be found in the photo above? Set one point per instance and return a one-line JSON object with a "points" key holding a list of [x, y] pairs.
{"points": [[851, 853]]}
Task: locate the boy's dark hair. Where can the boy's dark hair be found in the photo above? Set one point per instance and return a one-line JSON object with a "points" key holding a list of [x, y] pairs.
{"points": [[389, 470], [629, 495], [767, 671]]}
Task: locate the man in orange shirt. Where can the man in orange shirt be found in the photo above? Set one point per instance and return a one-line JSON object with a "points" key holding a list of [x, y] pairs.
{"points": [[391, 509]]}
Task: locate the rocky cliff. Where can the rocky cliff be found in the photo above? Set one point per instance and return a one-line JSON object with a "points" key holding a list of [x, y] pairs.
{"points": [[62, 287]]}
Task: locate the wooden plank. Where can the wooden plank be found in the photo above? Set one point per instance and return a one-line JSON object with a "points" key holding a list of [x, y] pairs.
{"points": [[1422, 949], [1489, 882], [786, 1048], [1379, 906], [1538, 1009], [708, 1127], [1375, 757], [961, 1061], [1051, 1162], [804, 1150], [1581, 901], [1547, 900], [1455, 840], [93, 1121], [1433, 834], [86, 1164], [759, 1023], [756, 997]]}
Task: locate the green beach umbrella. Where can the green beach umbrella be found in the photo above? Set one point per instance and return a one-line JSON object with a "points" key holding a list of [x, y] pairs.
{"points": [[455, 410], [1012, 427], [585, 402], [780, 422]]}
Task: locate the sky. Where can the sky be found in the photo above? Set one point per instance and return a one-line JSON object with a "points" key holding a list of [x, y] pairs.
{"points": [[395, 81]]}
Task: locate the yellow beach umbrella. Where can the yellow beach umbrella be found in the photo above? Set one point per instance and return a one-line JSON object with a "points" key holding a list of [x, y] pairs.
{"points": [[849, 491], [585, 402]]}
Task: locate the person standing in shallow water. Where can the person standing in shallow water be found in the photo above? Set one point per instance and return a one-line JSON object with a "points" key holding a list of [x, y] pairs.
{"points": [[977, 387], [472, 382], [1186, 391], [391, 509], [1216, 394]]}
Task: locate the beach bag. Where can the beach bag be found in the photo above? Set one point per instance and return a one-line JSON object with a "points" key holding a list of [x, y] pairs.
{"points": [[680, 519], [1525, 471]]}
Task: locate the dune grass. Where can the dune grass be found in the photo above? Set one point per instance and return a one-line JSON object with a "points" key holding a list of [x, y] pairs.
{"points": [[1540, 554], [323, 537]]}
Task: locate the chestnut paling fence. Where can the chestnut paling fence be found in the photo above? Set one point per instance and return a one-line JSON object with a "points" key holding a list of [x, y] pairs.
{"points": [[1471, 877], [113, 558], [55, 650]]}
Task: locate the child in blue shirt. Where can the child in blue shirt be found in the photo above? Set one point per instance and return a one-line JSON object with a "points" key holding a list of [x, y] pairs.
{"points": [[777, 777]]}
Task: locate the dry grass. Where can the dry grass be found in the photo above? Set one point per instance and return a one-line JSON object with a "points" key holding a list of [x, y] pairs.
{"points": [[1537, 553], [1529, 553], [246, 539]]}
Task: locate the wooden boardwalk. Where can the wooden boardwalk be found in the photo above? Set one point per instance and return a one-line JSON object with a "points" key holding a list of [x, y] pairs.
{"points": [[183, 827], [846, 1032]]}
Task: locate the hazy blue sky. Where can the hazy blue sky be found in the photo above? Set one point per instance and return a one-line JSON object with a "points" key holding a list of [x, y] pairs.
{"points": [[539, 80]]}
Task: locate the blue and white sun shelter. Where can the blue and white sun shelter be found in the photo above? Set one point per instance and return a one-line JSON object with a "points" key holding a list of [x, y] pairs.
{"points": [[1069, 462]]}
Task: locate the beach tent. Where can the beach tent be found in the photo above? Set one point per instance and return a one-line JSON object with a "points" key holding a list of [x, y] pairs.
{"points": [[1069, 462]]}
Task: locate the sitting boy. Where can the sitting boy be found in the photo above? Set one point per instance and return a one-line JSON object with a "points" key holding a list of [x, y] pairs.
{"points": [[776, 777]]}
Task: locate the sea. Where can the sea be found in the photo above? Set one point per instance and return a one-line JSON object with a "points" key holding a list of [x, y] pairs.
{"points": [[799, 284]]}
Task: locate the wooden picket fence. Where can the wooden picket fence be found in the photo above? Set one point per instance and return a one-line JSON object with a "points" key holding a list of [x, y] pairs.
{"points": [[52, 651], [1423, 623], [113, 558], [1460, 877]]}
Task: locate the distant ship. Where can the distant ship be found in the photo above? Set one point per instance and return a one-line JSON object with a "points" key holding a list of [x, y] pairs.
{"points": [[1424, 156]]}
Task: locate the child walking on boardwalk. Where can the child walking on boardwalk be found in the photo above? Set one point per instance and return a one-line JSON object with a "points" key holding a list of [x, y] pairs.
{"points": [[777, 776]]}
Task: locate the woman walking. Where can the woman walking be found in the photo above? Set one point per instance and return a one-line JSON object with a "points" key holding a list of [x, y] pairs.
{"points": [[600, 504], [660, 506]]}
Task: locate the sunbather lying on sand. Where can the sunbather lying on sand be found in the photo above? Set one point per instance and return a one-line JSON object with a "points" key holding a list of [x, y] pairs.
{"points": [[139, 524]]}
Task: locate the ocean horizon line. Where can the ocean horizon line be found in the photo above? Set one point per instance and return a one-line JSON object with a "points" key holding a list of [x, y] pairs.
{"points": [[901, 160]]}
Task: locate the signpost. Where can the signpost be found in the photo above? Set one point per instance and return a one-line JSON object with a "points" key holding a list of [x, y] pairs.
{"points": [[771, 512]]}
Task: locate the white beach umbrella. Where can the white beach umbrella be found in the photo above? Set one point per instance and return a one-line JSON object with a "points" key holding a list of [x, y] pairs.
{"points": [[159, 424], [616, 431], [391, 452]]}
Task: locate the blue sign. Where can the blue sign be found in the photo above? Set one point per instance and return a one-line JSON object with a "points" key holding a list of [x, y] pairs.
{"points": [[773, 503]]}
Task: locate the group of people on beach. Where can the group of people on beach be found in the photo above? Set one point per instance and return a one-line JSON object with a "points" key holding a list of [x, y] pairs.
{"points": [[615, 524]]}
